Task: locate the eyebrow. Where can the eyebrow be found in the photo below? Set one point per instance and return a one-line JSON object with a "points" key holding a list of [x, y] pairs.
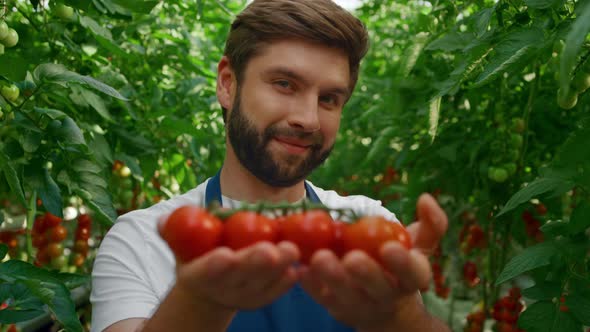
{"points": [[281, 71]]}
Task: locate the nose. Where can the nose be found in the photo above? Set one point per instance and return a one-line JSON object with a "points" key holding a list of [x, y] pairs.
{"points": [[305, 115]]}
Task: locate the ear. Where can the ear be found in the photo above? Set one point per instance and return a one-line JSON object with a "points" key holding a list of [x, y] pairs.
{"points": [[226, 83]]}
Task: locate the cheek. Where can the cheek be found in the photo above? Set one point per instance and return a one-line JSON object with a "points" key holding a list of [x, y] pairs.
{"points": [[330, 123]]}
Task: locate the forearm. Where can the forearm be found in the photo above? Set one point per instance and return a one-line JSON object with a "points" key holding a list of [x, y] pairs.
{"points": [[181, 312], [413, 317]]}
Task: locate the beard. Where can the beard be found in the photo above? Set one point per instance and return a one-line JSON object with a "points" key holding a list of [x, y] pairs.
{"points": [[252, 150]]}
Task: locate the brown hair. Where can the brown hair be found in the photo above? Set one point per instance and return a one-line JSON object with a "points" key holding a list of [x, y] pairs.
{"points": [[319, 21]]}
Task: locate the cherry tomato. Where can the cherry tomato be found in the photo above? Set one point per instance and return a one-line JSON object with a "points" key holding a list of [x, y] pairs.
{"points": [[310, 231], [82, 233], [84, 221], [39, 240], [338, 246], [51, 220], [42, 257], [39, 225], [57, 234], [370, 233], [55, 250], [81, 246], [58, 262], [245, 228], [78, 259], [191, 231]]}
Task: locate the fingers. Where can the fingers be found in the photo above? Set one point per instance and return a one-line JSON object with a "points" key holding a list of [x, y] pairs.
{"points": [[369, 273], [410, 268], [431, 225]]}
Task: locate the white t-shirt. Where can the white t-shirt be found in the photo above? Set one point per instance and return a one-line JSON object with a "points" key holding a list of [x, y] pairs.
{"points": [[134, 268]]}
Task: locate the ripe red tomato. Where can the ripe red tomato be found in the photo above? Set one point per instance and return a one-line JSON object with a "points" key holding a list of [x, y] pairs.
{"points": [[51, 220], [82, 233], [310, 231], [370, 233], [338, 246], [245, 228], [191, 231], [56, 234], [84, 221]]}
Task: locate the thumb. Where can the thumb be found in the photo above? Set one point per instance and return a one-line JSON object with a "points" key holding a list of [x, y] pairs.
{"points": [[431, 225]]}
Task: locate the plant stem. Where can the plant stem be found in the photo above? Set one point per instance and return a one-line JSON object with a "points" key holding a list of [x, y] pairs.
{"points": [[527, 114], [31, 211]]}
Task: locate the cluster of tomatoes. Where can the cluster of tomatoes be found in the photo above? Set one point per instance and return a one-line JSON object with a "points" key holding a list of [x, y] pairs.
{"points": [[506, 152], [192, 231], [472, 237], [507, 310], [81, 236], [48, 235], [441, 287], [475, 322], [470, 274], [8, 37], [532, 224], [10, 238]]}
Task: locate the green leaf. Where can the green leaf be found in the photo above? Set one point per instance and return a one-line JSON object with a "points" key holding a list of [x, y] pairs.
{"points": [[10, 316], [176, 127], [57, 297], [100, 150], [12, 178], [49, 192], [542, 4], [412, 53], [51, 113], [573, 43], [87, 178], [97, 103], [534, 189], [55, 73], [71, 133], [3, 249], [511, 54], [137, 6], [95, 28], [544, 290], [99, 201], [580, 218], [529, 259], [84, 165], [73, 280], [579, 306], [463, 71], [481, 21], [544, 316], [448, 42], [381, 144]]}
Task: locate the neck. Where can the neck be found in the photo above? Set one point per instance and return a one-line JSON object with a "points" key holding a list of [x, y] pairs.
{"points": [[239, 184]]}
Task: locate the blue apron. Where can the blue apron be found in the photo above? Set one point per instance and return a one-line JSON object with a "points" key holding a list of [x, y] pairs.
{"points": [[294, 311]]}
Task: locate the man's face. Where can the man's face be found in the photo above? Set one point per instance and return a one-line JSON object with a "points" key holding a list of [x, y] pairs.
{"points": [[286, 111]]}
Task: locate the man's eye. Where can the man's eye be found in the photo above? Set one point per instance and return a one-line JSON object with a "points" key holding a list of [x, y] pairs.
{"points": [[329, 99], [283, 84]]}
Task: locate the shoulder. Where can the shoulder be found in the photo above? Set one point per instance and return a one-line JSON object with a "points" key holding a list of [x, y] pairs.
{"points": [[362, 205]]}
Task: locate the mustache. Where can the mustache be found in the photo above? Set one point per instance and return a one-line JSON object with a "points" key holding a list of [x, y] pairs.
{"points": [[316, 139]]}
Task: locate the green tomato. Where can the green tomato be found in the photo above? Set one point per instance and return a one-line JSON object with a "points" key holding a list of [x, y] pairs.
{"points": [[518, 125], [10, 92], [3, 30], [59, 262], [491, 171], [581, 82], [11, 39], [1, 49], [516, 140], [500, 175], [510, 168], [567, 101], [64, 12]]}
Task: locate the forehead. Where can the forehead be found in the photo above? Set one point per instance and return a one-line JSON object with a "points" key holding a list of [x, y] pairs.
{"points": [[314, 62]]}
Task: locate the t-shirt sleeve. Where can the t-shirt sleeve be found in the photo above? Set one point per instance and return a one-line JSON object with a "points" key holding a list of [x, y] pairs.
{"points": [[121, 287]]}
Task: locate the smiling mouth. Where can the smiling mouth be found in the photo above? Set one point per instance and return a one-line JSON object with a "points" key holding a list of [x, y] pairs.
{"points": [[293, 147]]}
